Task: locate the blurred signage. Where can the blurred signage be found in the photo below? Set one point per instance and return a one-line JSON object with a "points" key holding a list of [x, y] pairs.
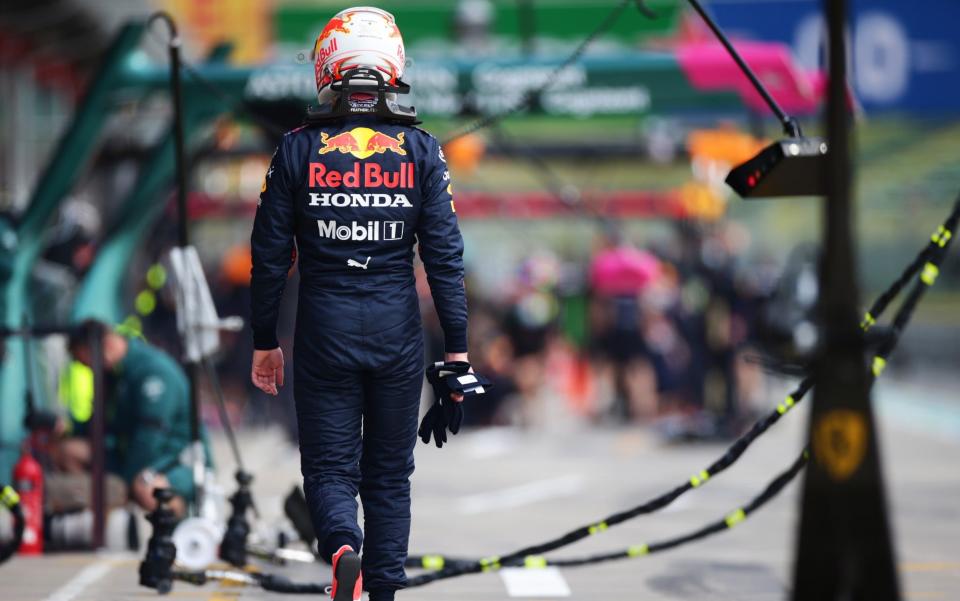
{"points": [[632, 84], [905, 56], [246, 24]]}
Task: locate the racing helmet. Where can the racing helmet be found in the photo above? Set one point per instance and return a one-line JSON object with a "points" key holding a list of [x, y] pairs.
{"points": [[362, 36]]}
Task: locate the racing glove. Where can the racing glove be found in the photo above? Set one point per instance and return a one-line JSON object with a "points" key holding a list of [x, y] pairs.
{"points": [[446, 378]]}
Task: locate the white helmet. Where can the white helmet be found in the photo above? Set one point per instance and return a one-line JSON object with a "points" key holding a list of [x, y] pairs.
{"points": [[362, 36]]}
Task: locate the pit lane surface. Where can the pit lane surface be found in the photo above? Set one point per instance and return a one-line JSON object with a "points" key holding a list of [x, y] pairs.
{"points": [[492, 491]]}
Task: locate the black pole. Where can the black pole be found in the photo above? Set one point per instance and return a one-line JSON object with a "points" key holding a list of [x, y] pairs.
{"points": [[183, 230], [97, 435], [790, 125], [844, 546]]}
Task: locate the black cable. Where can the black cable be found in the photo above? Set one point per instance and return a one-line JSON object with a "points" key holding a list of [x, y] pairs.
{"points": [[733, 453], [280, 584], [790, 125], [939, 240], [773, 488], [935, 253]]}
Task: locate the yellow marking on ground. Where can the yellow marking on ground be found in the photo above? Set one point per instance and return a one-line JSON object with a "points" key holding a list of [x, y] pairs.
{"points": [[223, 597]]}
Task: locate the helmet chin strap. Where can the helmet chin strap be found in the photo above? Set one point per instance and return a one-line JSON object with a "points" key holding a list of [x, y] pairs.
{"points": [[364, 91]]}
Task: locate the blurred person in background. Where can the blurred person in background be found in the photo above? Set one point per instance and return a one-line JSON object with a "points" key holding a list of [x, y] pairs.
{"points": [[358, 363], [530, 324], [705, 319], [147, 424], [618, 275]]}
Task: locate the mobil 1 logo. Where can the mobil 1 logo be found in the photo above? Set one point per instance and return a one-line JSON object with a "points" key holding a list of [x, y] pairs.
{"points": [[358, 231]]}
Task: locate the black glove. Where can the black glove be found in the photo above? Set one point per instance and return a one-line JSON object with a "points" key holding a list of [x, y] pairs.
{"points": [[448, 378], [434, 422]]}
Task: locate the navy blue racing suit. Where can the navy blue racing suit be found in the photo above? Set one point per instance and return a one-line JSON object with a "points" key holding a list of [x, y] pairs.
{"points": [[350, 199]]}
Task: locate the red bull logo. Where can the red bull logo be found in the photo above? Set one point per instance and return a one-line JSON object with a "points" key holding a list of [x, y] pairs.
{"points": [[326, 52], [362, 142], [362, 175], [336, 25]]}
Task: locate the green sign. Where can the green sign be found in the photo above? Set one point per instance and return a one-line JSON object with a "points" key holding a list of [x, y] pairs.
{"points": [[423, 21], [629, 84]]}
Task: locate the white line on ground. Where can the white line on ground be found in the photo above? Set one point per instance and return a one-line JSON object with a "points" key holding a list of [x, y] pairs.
{"points": [[84, 578], [525, 494]]}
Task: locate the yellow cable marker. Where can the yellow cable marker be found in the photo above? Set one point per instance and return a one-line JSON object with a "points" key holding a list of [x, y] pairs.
{"points": [[879, 364], [145, 302], [930, 273], [596, 528], [637, 550], [698, 479], [535, 561], [433, 562], [488, 564], [9, 497], [156, 276], [735, 518], [868, 321], [786, 405], [941, 236]]}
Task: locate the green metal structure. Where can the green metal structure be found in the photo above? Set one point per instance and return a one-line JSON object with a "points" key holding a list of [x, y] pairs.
{"points": [[53, 185], [99, 295]]}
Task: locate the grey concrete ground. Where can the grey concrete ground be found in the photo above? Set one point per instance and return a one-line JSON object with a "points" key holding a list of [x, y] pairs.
{"points": [[491, 492]]}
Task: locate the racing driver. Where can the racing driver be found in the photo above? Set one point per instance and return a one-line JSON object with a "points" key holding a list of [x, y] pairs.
{"points": [[350, 194]]}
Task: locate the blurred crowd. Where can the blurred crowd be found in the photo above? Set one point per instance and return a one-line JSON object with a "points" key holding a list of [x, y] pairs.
{"points": [[661, 335]]}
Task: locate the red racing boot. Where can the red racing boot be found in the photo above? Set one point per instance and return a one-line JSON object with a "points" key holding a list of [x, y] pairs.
{"points": [[347, 579]]}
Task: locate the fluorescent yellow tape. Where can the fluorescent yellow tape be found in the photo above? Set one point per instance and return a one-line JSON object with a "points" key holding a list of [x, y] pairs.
{"points": [[156, 276], [637, 550], [488, 564], [941, 236], [879, 364], [868, 321], [433, 562], [930, 273], [535, 561], [596, 528], [145, 302], [9, 497], [735, 518], [786, 405], [698, 479]]}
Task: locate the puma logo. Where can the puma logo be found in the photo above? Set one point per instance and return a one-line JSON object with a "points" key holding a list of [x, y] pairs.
{"points": [[352, 263]]}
